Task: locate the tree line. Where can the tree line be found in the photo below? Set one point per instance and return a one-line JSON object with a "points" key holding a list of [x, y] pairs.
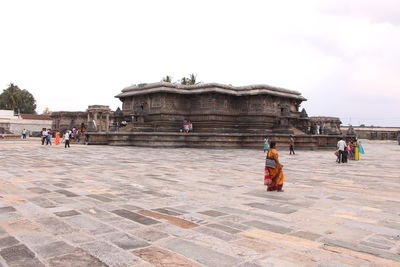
{"points": [[191, 80], [18, 100]]}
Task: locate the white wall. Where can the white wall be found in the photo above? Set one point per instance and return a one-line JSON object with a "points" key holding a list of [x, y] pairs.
{"points": [[16, 126]]}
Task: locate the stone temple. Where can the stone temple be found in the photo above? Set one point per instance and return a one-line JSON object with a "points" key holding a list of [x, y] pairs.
{"points": [[222, 115]]}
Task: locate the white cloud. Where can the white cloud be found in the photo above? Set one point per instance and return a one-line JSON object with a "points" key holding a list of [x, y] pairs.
{"points": [[76, 53]]}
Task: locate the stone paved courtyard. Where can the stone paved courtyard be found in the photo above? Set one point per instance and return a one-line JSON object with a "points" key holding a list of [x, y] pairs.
{"points": [[129, 206]]}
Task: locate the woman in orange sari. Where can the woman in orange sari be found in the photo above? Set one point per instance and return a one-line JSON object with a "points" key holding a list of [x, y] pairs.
{"points": [[276, 173], [57, 141]]}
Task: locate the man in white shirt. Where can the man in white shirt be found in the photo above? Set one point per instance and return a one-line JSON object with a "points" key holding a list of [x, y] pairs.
{"points": [[44, 135], [67, 136], [342, 147]]}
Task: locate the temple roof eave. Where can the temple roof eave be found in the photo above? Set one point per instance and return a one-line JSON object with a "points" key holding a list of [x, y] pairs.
{"points": [[209, 88]]}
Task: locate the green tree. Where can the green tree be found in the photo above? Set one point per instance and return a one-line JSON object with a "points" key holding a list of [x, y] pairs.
{"points": [[191, 80], [185, 81], [167, 79], [14, 98]]}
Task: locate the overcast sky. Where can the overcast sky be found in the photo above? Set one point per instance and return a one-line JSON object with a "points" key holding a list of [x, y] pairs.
{"points": [[342, 55]]}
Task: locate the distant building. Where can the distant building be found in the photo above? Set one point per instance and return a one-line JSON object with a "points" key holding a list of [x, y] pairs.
{"points": [[10, 123], [374, 132]]}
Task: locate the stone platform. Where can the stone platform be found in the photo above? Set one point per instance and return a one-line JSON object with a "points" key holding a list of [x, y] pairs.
{"points": [[133, 206], [209, 140]]}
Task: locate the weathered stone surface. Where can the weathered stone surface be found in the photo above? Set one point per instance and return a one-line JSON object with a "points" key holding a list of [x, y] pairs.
{"points": [[16, 253], [51, 250], [306, 235], [125, 241], [8, 241], [89, 225], [215, 233], [149, 234], [55, 226], [223, 228], [269, 227], [66, 193], [135, 217], [78, 258], [6, 209], [38, 190], [100, 197], [67, 213], [163, 258], [109, 254], [170, 219], [361, 229], [213, 213], [200, 254]]}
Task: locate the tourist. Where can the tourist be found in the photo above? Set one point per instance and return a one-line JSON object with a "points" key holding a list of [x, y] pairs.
{"points": [[57, 140], [23, 134], [186, 126], [349, 151], [190, 126], [43, 135], [78, 135], [266, 144], [341, 147], [48, 137], [67, 138], [358, 149], [276, 174], [291, 149]]}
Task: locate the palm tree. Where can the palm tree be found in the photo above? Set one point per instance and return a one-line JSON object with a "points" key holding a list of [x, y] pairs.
{"points": [[9, 97], [185, 81], [167, 79], [192, 79]]}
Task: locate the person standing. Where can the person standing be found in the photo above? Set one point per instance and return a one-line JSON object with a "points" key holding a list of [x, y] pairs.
{"points": [[291, 149], [277, 175], [66, 138], [266, 144], [43, 135], [78, 135], [398, 139], [24, 134], [57, 140], [48, 137], [341, 147]]}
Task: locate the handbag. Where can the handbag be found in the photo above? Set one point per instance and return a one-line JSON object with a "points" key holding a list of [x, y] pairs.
{"points": [[270, 162]]}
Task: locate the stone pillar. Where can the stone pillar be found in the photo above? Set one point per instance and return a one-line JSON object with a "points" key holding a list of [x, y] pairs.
{"points": [[95, 119], [107, 122]]}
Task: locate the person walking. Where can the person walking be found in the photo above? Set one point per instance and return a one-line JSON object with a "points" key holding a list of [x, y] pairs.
{"points": [[276, 174], [291, 149], [48, 137], [341, 147], [67, 138]]}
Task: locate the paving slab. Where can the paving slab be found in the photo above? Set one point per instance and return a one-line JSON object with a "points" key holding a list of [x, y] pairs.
{"points": [[134, 206]]}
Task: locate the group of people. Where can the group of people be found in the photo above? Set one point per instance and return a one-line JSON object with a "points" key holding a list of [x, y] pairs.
{"points": [[348, 150], [47, 134], [187, 126]]}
